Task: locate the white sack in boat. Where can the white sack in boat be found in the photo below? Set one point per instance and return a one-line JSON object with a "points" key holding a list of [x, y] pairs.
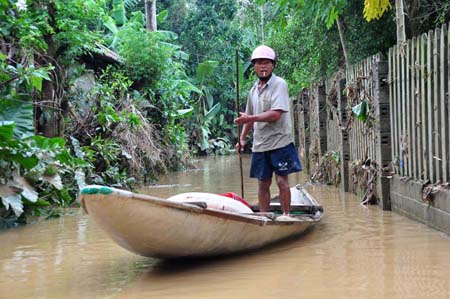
{"points": [[213, 201]]}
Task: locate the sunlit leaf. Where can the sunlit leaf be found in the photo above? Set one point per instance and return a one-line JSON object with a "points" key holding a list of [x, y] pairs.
{"points": [[6, 130], [209, 99], [206, 69], [119, 13], [5, 190], [54, 180], [36, 82], [80, 178], [213, 111], [110, 24], [20, 113], [185, 112], [374, 9], [15, 202], [188, 86], [27, 190], [76, 147], [162, 16]]}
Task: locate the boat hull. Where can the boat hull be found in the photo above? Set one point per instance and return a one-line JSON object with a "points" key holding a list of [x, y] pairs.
{"points": [[155, 227]]}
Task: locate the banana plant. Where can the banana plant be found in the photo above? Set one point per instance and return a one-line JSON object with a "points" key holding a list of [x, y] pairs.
{"points": [[206, 108]]}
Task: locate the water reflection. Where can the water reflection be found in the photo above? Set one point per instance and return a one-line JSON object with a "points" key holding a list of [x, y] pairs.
{"points": [[355, 252]]}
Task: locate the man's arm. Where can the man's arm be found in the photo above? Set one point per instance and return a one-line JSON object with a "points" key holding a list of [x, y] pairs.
{"points": [[268, 116], [248, 120]]}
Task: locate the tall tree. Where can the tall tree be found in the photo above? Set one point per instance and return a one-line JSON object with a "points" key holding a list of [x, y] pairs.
{"points": [[400, 21], [310, 49], [374, 9], [150, 15]]}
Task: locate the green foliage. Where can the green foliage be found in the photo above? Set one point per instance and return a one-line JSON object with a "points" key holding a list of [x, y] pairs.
{"points": [[118, 12], [77, 25], [209, 31], [302, 57], [35, 172], [308, 50], [69, 26], [202, 118], [145, 54], [20, 113]]}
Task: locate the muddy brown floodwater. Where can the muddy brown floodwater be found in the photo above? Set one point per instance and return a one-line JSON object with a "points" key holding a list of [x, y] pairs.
{"points": [[355, 252]]}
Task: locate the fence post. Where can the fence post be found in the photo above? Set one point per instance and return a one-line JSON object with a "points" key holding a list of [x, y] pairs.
{"points": [[344, 145], [317, 125], [382, 114], [304, 129], [294, 110], [322, 101]]}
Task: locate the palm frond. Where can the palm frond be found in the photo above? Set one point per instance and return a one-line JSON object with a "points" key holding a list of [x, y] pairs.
{"points": [[131, 3]]}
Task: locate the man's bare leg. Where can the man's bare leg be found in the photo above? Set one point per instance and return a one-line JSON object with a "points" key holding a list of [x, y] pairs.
{"points": [[285, 193], [264, 195]]}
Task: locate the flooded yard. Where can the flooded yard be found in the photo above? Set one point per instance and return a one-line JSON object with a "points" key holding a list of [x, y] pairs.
{"points": [[355, 252]]}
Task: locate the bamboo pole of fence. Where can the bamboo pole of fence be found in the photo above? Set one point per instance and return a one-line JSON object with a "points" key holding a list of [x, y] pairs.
{"points": [[396, 110], [430, 105], [445, 44], [359, 77], [403, 135], [357, 123], [370, 67], [437, 157], [398, 105], [363, 135], [408, 108], [348, 82], [396, 152], [359, 131], [413, 148], [391, 110], [369, 138], [448, 85], [423, 81], [444, 112], [418, 124]]}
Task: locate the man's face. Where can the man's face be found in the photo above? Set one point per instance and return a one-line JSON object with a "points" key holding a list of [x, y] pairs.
{"points": [[263, 68]]}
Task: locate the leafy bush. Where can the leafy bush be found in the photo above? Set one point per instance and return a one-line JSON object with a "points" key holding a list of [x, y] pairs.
{"points": [[35, 172]]}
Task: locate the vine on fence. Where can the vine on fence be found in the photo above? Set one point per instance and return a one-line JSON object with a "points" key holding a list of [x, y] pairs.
{"points": [[364, 176], [328, 171]]}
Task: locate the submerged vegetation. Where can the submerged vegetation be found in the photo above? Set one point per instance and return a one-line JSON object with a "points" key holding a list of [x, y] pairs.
{"points": [[92, 93]]}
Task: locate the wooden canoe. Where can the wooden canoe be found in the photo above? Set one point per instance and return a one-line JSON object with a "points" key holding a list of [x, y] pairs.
{"points": [[157, 227]]}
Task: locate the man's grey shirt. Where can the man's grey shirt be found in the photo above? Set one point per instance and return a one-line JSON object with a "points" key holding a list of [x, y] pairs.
{"points": [[274, 96]]}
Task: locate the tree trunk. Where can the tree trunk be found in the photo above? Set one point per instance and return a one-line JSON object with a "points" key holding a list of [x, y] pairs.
{"points": [[341, 36], [400, 21], [262, 23], [150, 15], [47, 121]]}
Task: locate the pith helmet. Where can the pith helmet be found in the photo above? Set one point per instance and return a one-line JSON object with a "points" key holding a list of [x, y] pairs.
{"points": [[263, 52]]}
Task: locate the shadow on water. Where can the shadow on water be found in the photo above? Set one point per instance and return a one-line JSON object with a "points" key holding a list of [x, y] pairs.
{"points": [[182, 265]]}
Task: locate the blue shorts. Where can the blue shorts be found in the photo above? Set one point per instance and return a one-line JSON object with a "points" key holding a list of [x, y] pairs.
{"points": [[282, 161]]}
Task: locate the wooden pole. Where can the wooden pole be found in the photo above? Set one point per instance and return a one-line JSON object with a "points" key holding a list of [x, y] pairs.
{"points": [[238, 126]]}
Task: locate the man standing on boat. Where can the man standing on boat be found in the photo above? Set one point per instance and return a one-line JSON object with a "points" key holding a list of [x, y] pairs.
{"points": [[267, 113]]}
